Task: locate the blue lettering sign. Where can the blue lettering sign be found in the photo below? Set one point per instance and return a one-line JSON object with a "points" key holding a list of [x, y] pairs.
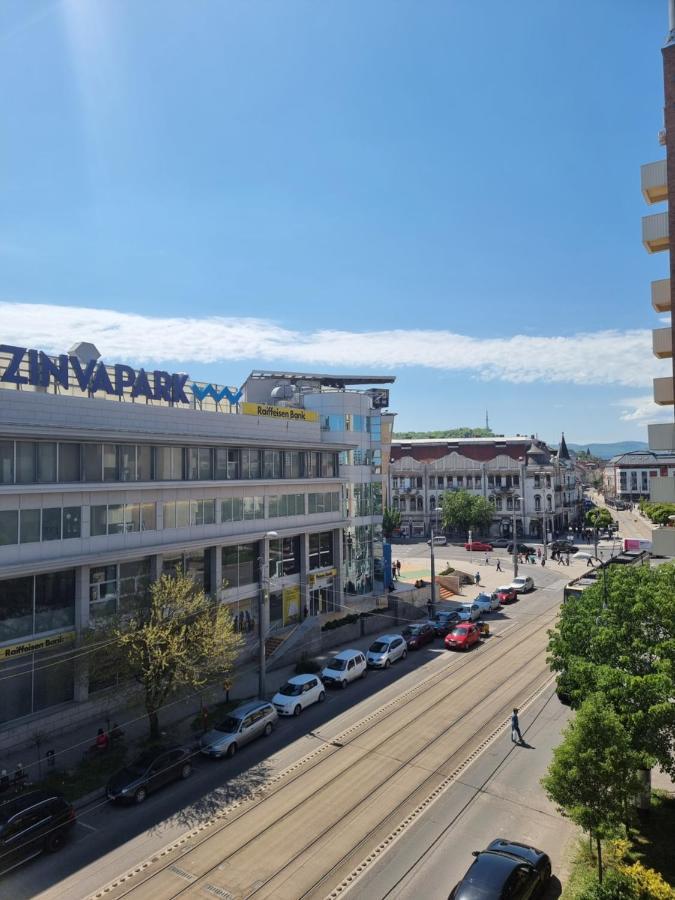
{"points": [[11, 373], [48, 370], [101, 380], [83, 376], [224, 393], [162, 382], [141, 386], [178, 394], [124, 377]]}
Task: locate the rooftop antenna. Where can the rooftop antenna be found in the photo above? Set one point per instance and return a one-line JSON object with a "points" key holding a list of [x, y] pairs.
{"points": [[671, 23], [487, 423]]}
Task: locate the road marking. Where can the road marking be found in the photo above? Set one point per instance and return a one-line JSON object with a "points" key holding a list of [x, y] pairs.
{"points": [[90, 827]]}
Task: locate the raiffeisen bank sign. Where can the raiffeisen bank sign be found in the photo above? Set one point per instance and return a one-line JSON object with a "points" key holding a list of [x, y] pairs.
{"points": [[66, 373]]}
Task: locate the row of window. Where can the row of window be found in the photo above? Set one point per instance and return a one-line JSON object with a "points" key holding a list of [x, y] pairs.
{"points": [[27, 526], [644, 481], [369, 424], [41, 462], [470, 482]]}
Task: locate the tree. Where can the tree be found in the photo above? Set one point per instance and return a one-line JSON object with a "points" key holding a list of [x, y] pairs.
{"points": [[462, 432], [463, 511], [621, 643], [179, 641], [391, 520], [593, 773], [599, 517]]}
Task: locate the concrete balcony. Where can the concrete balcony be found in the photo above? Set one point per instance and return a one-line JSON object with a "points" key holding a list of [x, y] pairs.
{"points": [[663, 542], [654, 181], [655, 232], [661, 295], [662, 489], [662, 438], [663, 391], [662, 342]]}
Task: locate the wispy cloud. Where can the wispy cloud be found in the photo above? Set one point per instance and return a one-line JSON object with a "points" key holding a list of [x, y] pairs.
{"points": [[604, 357], [643, 410]]}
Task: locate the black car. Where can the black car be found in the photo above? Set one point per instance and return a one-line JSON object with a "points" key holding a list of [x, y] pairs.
{"points": [[522, 548], [505, 869], [444, 622], [30, 823], [563, 547], [150, 771]]}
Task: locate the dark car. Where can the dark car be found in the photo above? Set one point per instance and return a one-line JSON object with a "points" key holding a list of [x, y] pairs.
{"points": [[500, 543], [563, 547], [445, 621], [506, 869], [150, 771], [30, 823], [522, 548], [418, 635]]}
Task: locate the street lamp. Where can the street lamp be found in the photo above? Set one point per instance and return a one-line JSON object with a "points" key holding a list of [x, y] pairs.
{"points": [[263, 597], [516, 501], [436, 511]]}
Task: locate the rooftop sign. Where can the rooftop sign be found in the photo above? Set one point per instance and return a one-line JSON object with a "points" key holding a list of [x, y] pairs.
{"points": [[268, 410]]}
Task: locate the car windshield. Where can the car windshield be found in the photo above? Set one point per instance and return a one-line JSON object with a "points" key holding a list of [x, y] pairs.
{"points": [[140, 765], [338, 665], [378, 647], [230, 725], [290, 690], [519, 581], [415, 629], [458, 632]]}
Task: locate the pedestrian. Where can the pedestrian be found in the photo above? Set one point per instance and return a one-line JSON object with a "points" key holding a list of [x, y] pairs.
{"points": [[430, 608], [102, 740], [588, 562], [543, 561], [567, 559], [398, 566], [393, 571], [487, 560], [538, 552], [499, 565], [476, 577], [515, 727]]}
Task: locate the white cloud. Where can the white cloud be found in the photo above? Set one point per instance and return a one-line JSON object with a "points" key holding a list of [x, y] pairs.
{"points": [[643, 410], [603, 357]]}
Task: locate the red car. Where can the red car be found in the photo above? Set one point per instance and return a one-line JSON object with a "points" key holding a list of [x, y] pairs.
{"points": [[478, 545], [418, 635], [463, 636], [506, 595]]}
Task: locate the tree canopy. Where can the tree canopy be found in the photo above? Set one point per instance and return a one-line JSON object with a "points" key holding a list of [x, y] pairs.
{"points": [[624, 648], [463, 511], [391, 519], [599, 517], [462, 432]]}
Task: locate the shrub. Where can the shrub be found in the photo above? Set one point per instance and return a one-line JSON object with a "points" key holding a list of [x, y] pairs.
{"points": [[615, 886], [647, 883], [307, 666], [338, 623], [448, 570]]}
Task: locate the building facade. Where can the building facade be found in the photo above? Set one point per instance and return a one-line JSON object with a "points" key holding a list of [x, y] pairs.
{"points": [[518, 475], [97, 498], [658, 187], [630, 476]]}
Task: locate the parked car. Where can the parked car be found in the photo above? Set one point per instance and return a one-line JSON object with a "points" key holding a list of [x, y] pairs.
{"points": [[299, 692], [463, 636], [418, 635], [31, 823], [151, 770], [385, 650], [487, 602], [506, 594], [523, 584], [444, 621], [469, 612], [439, 540], [347, 666], [563, 547], [243, 725], [500, 543], [522, 548], [478, 545], [505, 869]]}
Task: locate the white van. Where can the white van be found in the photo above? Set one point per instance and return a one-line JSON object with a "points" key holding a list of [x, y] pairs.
{"points": [[440, 540], [347, 666]]}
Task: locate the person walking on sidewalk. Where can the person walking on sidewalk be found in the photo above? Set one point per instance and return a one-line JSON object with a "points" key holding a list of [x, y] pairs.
{"points": [[499, 565], [515, 727], [398, 567]]}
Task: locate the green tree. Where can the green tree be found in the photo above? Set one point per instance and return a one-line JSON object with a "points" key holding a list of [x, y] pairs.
{"points": [[593, 773], [463, 511], [391, 520], [621, 642], [179, 641], [599, 517], [463, 432]]}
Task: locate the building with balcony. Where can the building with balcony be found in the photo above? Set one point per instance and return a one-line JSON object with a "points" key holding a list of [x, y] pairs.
{"points": [[518, 475], [110, 476], [637, 476]]}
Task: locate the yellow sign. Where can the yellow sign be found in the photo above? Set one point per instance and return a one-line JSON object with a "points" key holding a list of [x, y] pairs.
{"points": [[317, 576], [46, 643], [291, 601], [269, 411]]}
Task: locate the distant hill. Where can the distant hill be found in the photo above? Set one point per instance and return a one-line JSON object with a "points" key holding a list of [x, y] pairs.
{"points": [[606, 451], [462, 432]]}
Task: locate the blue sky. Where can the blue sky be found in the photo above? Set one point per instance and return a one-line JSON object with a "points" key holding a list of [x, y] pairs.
{"points": [[446, 191]]}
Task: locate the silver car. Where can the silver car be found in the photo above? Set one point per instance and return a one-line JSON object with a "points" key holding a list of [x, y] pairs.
{"points": [[385, 650], [242, 725]]}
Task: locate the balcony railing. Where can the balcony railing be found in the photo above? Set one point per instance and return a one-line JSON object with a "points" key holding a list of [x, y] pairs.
{"points": [[663, 391], [662, 343], [655, 232], [654, 181], [661, 295]]}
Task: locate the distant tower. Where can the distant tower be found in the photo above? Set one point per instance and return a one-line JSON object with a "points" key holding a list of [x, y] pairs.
{"points": [[487, 422], [563, 452]]}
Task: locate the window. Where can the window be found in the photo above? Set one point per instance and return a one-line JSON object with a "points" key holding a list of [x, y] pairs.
{"points": [[29, 522], [132, 517], [127, 462], [334, 423], [92, 458], [321, 550], [253, 507], [9, 527], [498, 503], [72, 516], [54, 600], [284, 557], [324, 502], [46, 462], [148, 516], [69, 462], [144, 463], [110, 471], [202, 512], [375, 423], [232, 509], [6, 462], [292, 464], [169, 463], [537, 503], [200, 463], [271, 464], [250, 463], [25, 462], [313, 464], [328, 465], [286, 505], [102, 592], [240, 565], [51, 524]]}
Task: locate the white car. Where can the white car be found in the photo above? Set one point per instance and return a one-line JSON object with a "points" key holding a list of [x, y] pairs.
{"points": [[523, 584], [298, 692], [440, 540], [469, 612], [385, 650], [487, 602], [347, 666]]}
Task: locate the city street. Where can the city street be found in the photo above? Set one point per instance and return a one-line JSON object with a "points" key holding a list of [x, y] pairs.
{"points": [[332, 785]]}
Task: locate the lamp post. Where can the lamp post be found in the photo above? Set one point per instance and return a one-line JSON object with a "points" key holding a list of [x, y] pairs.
{"points": [[516, 501], [263, 597], [436, 511]]}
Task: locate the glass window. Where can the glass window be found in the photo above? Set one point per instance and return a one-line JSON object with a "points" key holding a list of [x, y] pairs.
{"points": [[46, 461], [92, 457], [240, 565], [110, 462], [16, 610], [148, 516], [233, 464], [132, 517], [376, 428], [284, 557], [99, 520], [292, 464], [69, 462], [169, 516], [134, 584], [116, 518], [30, 526], [249, 507], [9, 528], [54, 600], [271, 464], [102, 591], [195, 567], [169, 463], [143, 462], [220, 464], [182, 513], [328, 465], [6, 462], [313, 464], [71, 522], [205, 464], [51, 524], [202, 512], [127, 462], [250, 463], [25, 462], [54, 678]]}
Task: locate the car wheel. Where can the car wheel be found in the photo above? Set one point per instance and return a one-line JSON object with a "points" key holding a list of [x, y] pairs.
{"points": [[268, 729], [297, 710], [322, 696], [140, 795], [231, 750], [404, 654], [186, 771], [54, 841], [387, 663], [343, 684]]}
